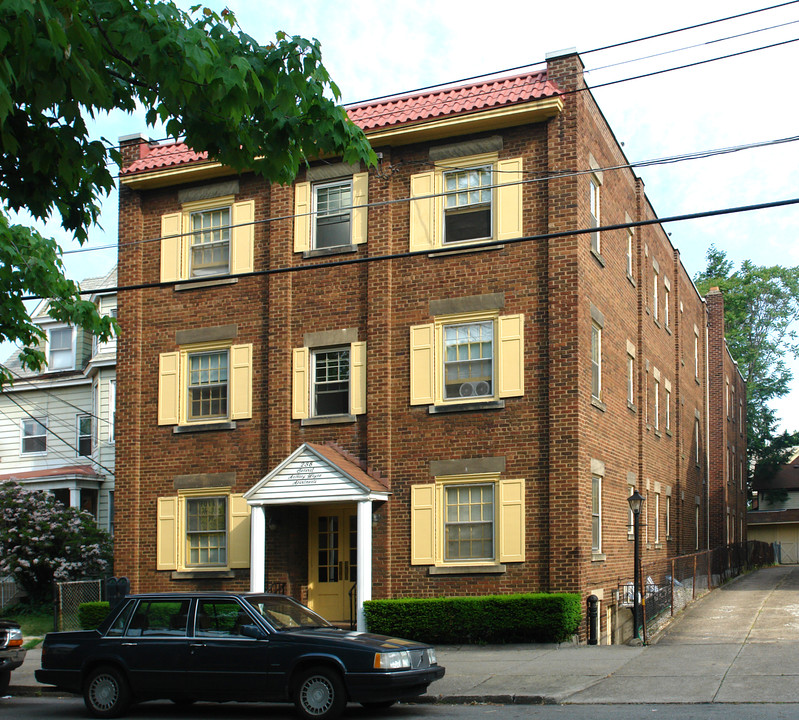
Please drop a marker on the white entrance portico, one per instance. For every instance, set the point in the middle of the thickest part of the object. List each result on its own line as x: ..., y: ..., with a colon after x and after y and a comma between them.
x: 323, y: 477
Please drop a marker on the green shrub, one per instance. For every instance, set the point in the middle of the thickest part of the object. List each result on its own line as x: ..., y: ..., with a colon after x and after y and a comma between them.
x: 540, y: 617
x: 91, y: 614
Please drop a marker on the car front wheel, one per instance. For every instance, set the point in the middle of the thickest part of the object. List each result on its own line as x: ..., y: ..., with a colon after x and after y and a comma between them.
x: 319, y: 694
x: 106, y: 693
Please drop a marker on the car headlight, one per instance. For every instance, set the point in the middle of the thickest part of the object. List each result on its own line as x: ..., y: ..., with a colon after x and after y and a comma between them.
x: 431, y: 656
x: 14, y: 637
x: 392, y: 660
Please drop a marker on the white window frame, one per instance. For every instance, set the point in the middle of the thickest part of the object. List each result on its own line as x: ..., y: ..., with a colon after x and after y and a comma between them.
x: 657, y: 518
x: 697, y: 434
x: 188, y: 500
x: 458, y: 192
x: 596, y: 514
x: 596, y: 360
x: 112, y: 410
x: 656, y: 423
x: 630, y: 515
x: 314, y: 353
x: 696, y: 353
x: 110, y: 344
x: 666, y: 301
x: 630, y: 236
x: 630, y: 379
x: 474, y: 385
x: 655, y: 283
x: 454, y: 486
x: 39, y: 422
x: 224, y: 230
x: 667, y: 417
x: 82, y: 435
x: 594, y: 212
x: 51, y: 350
x: 668, y: 516
x: 342, y: 210
x: 190, y: 419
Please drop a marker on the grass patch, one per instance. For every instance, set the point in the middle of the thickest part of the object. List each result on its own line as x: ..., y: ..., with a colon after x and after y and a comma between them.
x: 34, y: 621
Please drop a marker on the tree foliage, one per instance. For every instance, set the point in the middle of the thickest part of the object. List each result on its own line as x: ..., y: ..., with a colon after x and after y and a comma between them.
x: 42, y: 541
x: 265, y: 108
x: 761, y: 314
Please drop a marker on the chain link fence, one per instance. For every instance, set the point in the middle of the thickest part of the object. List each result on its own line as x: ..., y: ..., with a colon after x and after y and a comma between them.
x: 9, y: 591
x: 671, y: 584
x: 68, y: 598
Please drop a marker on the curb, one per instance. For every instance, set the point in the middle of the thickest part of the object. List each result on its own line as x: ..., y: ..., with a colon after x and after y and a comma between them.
x: 498, y: 699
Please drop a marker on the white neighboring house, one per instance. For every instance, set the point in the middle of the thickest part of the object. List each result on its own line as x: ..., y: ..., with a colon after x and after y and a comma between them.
x: 57, y: 426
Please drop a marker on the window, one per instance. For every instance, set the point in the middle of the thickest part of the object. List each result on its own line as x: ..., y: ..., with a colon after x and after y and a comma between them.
x: 666, y: 302
x: 208, y: 238
x: 158, y: 618
x: 727, y: 397
x: 596, y: 514
x: 630, y: 515
x: 110, y: 344
x: 203, y: 529
x: 466, y: 358
x: 656, y: 422
x: 696, y: 527
x: 668, y: 517
x: 467, y: 204
x: 667, y: 406
x: 630, y: 374
x: 596, y: 361
x: 85, y: 435
x: 655, y: 285
x: 207, y: 396
x: 629, y: 252
x: 464, y: 200
x: 209, y: 253
x: 467, y: 520
x: 732, y: 403
x: 60, y: 354
x: 329, y: 382
x: 593, y: 211
x: 696, y: 352
x: 657, y: 518
x: 206, y: 531
x: 330, y: 214
x: 112, y: 409
x: 205, y: 384
x: 697, y: 444
x: 34, y: 436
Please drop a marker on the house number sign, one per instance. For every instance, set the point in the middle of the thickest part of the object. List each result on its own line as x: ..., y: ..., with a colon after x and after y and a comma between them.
x: 305, y: 474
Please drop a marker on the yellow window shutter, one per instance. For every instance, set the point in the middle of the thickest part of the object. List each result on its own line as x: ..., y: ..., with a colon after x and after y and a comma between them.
x: 509, y: 199
x: 511, y: 356
x: 239, y: 534
x: 423, y: 211
x: 358, y: 378
x: 423, y: 518
x: 299, y: 380
x: 422, y: 364
x: 511, y: 521
x: 360, y: 196
x: 171, y: 227
x: 168, y: 388
x: 302, y: 220
x: 242, y: 237
x: 240, y: 382
x: 166, y: 534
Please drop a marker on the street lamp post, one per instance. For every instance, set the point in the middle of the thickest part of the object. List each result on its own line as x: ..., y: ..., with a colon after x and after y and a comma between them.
x: 636, y: 500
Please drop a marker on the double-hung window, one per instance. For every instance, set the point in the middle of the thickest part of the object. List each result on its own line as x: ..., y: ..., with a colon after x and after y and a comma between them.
x: 207, y: 397
x: 331, y: 381
x: 60, y: 354
x: 596, y: 361
x: 333, y: 215
x: 34, y: 436
x: 467, y: 520
x: 468, y: 200
x: 596, y: 514
x: 467, y: 357
x: 209, y: 253
x: 85, y: 434
x: 593, y: 213
x: 206, y: 531
x: 629, y: 252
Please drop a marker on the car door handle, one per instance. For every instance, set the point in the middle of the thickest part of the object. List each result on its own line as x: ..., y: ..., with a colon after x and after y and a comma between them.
x: 196, y: 645
x: 129, y: 644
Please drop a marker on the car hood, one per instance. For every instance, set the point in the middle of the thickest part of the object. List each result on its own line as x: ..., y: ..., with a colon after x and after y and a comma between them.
x: 370, y: 640
x: 8, y: 624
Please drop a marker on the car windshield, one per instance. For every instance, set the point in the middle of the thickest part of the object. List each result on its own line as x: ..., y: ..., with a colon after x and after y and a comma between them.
x: 285, y: 614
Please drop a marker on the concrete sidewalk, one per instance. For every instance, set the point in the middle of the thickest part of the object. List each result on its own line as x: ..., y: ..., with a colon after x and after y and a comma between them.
x: 737, y: 644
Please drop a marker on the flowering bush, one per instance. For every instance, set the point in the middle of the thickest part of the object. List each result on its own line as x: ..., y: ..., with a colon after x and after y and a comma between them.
x: 42, y: 541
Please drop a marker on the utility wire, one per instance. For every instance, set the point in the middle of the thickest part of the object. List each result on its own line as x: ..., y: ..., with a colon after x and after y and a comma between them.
x: 671, y: 159
x: 434, y: 252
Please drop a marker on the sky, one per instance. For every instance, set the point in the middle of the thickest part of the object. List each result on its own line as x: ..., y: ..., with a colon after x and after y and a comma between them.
x: 376, y: 48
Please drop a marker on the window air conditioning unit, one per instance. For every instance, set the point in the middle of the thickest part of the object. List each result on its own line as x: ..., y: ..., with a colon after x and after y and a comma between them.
x: 482, y: 388
x: 466, y: 389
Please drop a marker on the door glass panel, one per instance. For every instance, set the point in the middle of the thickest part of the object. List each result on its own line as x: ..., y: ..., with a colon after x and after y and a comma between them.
x: 328, y: 548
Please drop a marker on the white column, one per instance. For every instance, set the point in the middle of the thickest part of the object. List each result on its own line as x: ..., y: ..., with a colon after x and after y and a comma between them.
x: 364, y: 576
x: 74, y: 497
x: 257, y: 548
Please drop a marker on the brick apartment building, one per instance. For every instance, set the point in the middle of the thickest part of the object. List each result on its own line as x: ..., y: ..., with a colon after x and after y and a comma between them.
x: 467, y: 416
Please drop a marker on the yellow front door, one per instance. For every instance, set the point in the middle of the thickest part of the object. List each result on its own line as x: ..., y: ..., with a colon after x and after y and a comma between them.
x: 332, y: 548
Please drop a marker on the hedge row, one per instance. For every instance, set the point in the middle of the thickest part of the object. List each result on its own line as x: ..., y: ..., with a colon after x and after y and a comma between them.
x: 91, y: 614
x: 540, y: 617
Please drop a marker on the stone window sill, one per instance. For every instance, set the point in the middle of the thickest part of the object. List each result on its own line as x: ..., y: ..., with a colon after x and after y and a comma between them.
x: 200, y: 284
x: 466, y: 407
x: 668, y: 330
x: 656, y: 321
x: 658, y: 433
x: 204, y: 427
x: 631, y: 406
x: 324, y: 252
x: 631, y: 280
x: 598, y: 257
x: 597, y: 403
x: 328, y: 420
x: 467, y: 569
x: 203, y: 575
x: 461, y: 250
x: 598, y: 557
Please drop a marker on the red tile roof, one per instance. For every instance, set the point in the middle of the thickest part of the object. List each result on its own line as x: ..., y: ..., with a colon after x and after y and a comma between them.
x: 347, y: 463
x: 391, y: 111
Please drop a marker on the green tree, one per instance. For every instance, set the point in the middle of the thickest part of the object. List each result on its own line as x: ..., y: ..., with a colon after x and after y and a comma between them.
x: 42, y: 541
x: 265, y: 108
x: 761, y: 310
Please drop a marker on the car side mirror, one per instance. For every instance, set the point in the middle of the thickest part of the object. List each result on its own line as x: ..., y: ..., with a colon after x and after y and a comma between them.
x: 253, y: 631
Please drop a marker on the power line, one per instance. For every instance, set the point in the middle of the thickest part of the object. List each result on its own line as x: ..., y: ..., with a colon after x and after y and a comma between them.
x: 433, y: 252
x: 696, y: 155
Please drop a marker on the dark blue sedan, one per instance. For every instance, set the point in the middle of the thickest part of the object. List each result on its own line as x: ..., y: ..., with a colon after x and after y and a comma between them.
x: 224, y: 646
